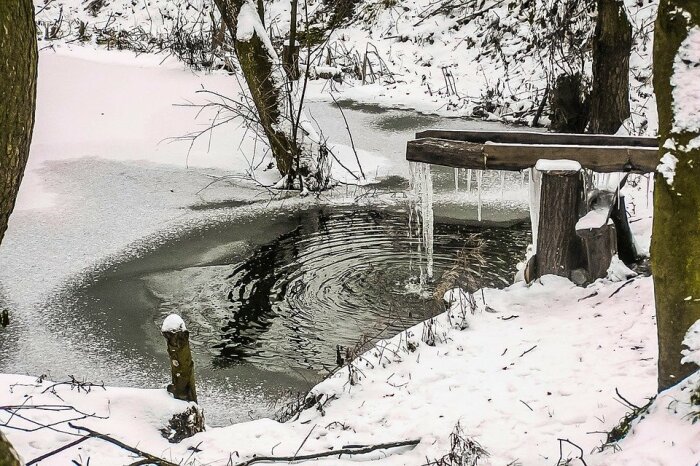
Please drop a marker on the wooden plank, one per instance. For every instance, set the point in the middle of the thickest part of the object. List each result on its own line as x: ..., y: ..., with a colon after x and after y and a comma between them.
x: 498, y: 156
x: 525, y: 137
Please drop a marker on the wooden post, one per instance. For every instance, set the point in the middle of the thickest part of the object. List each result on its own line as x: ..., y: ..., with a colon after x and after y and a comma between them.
x: 599, y: 242
x: 181, y: 364
x: 558, y: 247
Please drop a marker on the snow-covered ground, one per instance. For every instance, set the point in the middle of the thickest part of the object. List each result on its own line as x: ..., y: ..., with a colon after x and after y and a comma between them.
x: 535, y: 368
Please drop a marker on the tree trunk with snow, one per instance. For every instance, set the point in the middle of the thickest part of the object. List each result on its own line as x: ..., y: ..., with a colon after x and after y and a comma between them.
x: 612, y: 45
x: 8, y: 455
x: 265, y: 78
x: 675, y: 249
x: 18, y: 68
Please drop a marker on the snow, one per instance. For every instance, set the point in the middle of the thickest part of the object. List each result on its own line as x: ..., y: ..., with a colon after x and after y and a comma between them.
x: 249, y: 24
x: 618, y: 271
x: 594, y: 219
x: 173, y: 323
x: 667, y: 167
x: 686, y: 74
x: 692, y: 342
x: 545, y: 165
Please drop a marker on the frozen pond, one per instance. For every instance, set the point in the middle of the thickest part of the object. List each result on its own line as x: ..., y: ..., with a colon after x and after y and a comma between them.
x: 270, y: 293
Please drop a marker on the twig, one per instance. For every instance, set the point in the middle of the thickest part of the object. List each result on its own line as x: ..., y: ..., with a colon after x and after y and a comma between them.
x: 154, y: 459
x: 561, y: 451
x: 304, y: 442
x: 595, y: 293
x: 629, y: 404
x: 525, y: 352
x: 339, y: 452
x: 59, y: 450
x: 621, y: 287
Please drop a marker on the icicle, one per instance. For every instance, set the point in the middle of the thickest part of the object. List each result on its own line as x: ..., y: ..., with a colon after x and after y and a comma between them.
x: 503, y: 183
x: 422, y: 188
x: 522, y: 178
x: 469, y: 180
x: 648, y: 177
x: 479, y: 175
x: 534, y: 190
x: 456, y: 179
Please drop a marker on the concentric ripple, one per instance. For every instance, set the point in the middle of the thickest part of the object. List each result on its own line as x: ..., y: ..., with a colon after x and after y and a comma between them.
x: 343, y: 275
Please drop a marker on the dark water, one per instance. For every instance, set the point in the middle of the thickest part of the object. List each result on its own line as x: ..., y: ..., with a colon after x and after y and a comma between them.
x: 338, y: 275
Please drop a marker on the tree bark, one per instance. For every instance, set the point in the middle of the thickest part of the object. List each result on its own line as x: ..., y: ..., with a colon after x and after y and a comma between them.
x: 18, y: 71
x: 8, y: 455
x: 263, y: 74
x: 612, y: 45
x: 675, y: 249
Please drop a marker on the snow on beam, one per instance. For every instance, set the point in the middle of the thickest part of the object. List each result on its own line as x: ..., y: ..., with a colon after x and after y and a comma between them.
x: 533, y: 137
x: 515, y: 157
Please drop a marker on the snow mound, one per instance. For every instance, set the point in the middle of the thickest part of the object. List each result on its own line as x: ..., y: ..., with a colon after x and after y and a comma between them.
x: 173, y: 323
x: 692, y: 341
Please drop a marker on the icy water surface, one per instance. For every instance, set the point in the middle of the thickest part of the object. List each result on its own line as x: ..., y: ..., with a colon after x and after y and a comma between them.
x: 267, y: 294
x: 268, y: 299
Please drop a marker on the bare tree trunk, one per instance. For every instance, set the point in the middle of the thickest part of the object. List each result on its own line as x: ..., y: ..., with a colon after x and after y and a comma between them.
x: 8, y: 455
x: 18, y: 68
x: 675, y: 249
x: 612, y: 46
x: 265, y: 78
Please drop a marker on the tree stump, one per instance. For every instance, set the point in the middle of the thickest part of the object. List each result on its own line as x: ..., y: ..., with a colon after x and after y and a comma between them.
x: 599, y: 238
x: 181, y: 364
x: 558, y: 247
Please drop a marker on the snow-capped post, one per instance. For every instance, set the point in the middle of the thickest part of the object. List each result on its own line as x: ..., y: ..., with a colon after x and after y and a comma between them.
x: 181, y: 364
x: 558, y: 247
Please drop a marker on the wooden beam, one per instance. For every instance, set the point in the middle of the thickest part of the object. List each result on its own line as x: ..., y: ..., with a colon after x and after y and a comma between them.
x: 527, y: 137
x: 505, y: 156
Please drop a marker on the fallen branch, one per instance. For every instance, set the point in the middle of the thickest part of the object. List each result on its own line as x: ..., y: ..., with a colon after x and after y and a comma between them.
x: 151, y: 458
x: 621, y: 287
x: 323, y: 454
x: 561, y: 451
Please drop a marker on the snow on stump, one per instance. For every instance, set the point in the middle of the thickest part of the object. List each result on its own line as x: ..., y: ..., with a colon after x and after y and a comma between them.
x: 598, y: 233
x: 181, y: 364
x: 558, y: 247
